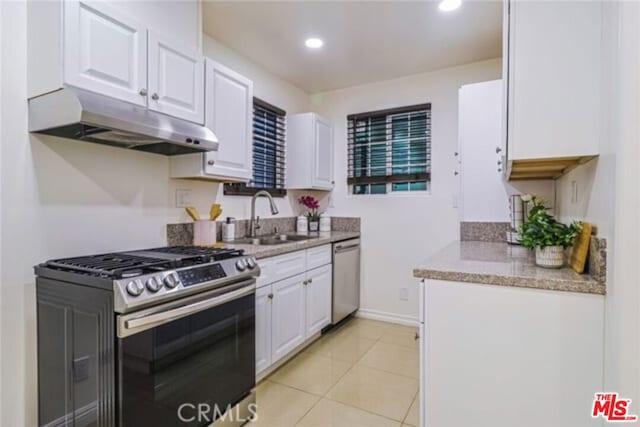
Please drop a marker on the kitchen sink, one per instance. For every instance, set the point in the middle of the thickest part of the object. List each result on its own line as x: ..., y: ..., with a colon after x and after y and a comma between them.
x: 279, y: 239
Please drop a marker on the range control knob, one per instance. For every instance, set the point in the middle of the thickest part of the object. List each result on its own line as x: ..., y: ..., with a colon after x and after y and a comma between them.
x: 251, y: 263
x: 154, y: 284
x: 135, y: 288
x: 171, y: 281
x: 241, y: 265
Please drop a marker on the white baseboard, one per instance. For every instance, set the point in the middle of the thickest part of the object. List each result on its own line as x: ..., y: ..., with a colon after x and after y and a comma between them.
x: 387, y: 317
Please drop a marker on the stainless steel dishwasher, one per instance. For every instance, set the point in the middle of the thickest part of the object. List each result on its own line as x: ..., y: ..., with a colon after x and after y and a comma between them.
x: 346, y: 279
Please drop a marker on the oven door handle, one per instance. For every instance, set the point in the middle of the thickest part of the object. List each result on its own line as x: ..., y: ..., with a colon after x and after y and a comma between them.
x: 139, y: 324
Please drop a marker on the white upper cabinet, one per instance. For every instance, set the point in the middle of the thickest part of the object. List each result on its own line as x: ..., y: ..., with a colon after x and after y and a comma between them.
x: 309, y: 152
x: 483, y: 193
x: 229, y: 114
x: 176, y: 79
x: 99, y: 47
x: 104, y: 51
x: 554, y: 65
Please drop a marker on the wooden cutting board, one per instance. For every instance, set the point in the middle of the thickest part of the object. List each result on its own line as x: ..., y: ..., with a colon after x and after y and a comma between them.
x: 580, y: 249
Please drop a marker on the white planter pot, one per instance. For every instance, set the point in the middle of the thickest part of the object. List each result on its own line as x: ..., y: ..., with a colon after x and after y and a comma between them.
x: 550, y: 257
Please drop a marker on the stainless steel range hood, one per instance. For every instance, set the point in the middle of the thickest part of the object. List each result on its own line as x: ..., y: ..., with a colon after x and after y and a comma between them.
x: 86, y: 116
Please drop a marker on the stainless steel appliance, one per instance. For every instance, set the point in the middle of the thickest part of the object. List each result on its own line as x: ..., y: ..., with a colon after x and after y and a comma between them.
x: 158, y: 337
x: 346, y: 279
x: 87, y: 116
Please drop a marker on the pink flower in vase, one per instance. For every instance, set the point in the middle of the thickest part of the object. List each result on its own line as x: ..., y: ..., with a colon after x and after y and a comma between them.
x: 312, y: 204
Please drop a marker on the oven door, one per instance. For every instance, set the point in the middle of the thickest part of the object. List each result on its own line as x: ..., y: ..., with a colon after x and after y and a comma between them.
x: 181, y: 360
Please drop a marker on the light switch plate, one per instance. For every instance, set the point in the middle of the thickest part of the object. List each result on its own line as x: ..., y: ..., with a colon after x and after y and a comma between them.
x: 183, y: 198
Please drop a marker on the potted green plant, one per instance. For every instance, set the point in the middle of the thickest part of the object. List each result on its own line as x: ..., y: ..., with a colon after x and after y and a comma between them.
x: 549, y: 237
x: 313, y: 215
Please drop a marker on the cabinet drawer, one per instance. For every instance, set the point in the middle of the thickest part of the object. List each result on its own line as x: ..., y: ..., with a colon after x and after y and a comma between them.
x: 266, y: 272
x: 281, y: 267
x: 319, y: 256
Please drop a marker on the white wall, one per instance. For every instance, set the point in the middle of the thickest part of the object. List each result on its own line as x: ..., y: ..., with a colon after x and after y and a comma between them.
x: 609, y: 196
x: 400, y: 231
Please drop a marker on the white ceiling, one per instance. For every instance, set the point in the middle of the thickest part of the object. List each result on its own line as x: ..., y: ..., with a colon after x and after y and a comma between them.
x: 365, y: 41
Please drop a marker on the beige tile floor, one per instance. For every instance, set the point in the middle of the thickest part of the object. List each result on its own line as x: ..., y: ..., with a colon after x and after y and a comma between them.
x: 362, y: 374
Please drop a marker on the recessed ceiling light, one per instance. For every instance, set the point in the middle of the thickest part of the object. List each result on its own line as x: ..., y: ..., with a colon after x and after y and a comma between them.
x: 314, y: 43
x: 449, y: 5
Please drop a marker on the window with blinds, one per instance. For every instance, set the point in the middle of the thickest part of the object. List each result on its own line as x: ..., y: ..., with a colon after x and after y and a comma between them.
x: 390, y: 150
x: 268, y: 152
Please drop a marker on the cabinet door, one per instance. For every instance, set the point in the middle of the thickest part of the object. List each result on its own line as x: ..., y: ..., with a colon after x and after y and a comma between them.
x: 104, y: 51
x: 229, y: 104
x: 318, y: 296
x: 176, y: 79
x: 288, y: 319
x: 555, y: 57
x: 263, y: 328
x: 483, y: 192
x: 323, y: 154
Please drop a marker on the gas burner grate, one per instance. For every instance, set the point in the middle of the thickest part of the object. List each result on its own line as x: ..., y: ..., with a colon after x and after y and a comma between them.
x: 115, y: 265
x: 129, y: 264
x: 215, y: 254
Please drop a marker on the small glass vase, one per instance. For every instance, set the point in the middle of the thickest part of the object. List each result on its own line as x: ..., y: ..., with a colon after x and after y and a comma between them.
x: 314, y: 226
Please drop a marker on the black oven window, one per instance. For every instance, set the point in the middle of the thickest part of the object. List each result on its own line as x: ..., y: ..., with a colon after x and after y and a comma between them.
x: 206, y: 358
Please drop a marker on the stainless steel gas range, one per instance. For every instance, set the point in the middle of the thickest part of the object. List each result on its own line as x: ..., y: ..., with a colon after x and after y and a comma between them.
x: 157, y: 337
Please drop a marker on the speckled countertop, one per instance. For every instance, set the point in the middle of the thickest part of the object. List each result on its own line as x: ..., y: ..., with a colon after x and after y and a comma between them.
x: 503, y: 265
x: 265, y: 251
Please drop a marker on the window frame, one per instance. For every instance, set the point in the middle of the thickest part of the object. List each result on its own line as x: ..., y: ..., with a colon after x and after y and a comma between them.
x: 243, y: 189
x: 390, y: 178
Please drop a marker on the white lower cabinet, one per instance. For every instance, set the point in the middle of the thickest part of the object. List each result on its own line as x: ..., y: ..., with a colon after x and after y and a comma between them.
x: 536, y: 352
x: 263, y: 327
x: 287, y: 316
x: 318, y: 295
x: 292, y: 305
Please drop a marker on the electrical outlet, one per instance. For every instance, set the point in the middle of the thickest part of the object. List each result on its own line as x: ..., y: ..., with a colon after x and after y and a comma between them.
x: 183, y: 198
x: 404, y: 294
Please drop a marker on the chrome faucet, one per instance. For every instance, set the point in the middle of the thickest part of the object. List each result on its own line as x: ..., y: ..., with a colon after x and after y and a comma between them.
x: 254, y: 224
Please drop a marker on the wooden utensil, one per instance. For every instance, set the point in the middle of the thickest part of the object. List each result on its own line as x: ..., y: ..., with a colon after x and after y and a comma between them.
x: 193, y: 213
x: 215, y: 211
x: 580, y: 249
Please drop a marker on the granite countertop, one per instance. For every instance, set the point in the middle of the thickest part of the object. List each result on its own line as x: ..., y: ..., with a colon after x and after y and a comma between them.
x: 265, y: 251
x: 503, y: 265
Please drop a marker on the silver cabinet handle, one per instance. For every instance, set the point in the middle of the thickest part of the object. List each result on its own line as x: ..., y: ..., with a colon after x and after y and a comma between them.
x: 456, y: 173
x: 311, y: 280
x: 498, y: 149
x: 155, y: 97
x: 306, y: 282
x: 343, y: 248
x: 416, y: 337
x: 211, y: 162
x: 143, y: 92
x: 270, y: 296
